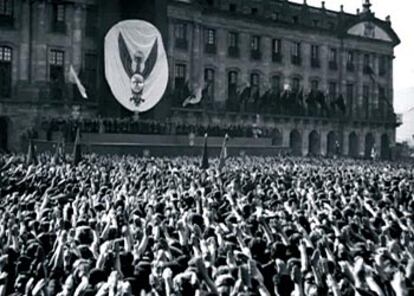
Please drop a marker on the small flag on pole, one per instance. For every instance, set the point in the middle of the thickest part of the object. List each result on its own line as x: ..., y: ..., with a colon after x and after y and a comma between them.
x: 73, y: 78
x: 223, y: 153
x: 204, y: 160
x: 77, y: 153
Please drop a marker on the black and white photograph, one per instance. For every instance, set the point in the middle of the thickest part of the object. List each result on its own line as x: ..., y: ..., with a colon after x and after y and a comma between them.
x: 206, y: 148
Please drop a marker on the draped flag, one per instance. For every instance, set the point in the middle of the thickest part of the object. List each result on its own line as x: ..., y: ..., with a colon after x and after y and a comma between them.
x: 77, y: 153
x: 223, y: 152
x: 59, y: 154
x: 204, y: 159
x: 196, y: 97
x: 136, y: 66
x: 31, y: 153
x: 73, y: 78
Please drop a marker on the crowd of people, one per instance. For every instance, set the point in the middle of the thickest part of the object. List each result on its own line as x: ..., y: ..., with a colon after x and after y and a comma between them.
x: 129, y: 125
x: 125, y: 225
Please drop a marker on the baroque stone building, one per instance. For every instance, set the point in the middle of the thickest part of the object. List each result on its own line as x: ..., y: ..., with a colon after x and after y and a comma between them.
x: 273, y: 46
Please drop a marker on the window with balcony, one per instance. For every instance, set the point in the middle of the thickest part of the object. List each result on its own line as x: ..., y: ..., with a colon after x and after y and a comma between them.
x: 296, y: 58
x: 275, y: 16
x: 6, y: 13
x: 332, y: 90
x: 350, y: 61
x: 180, y: 35
x: 254, y: 84
x: 57, y: 73
x: 209, y: 80
x: 315, y: 61
x: 232, y: 81
x: 314, y: 85
x: 58, y: 18
x: 210, y: 41
x: 276, y: 84
x: 255, y: 48
x: 350, y: 97
x: 277, y: 50
x: 295, y: 85
x: 233, y: 45
x: 6, y: 59
x: 367, y: 64
x: 180, y: 74
x: 333, y: 59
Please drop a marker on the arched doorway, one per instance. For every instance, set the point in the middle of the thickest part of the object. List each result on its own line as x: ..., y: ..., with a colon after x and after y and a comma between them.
x: 3, y: 134
x: 277, y: 138
x: 333, y: 144
x: 353, y: 145
x: 314, y: 143
x: 369, y: 144
x: 295, y: 143
x: 385, y: 147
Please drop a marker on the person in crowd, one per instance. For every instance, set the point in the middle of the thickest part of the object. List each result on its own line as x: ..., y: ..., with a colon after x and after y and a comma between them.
x: 115, y: 225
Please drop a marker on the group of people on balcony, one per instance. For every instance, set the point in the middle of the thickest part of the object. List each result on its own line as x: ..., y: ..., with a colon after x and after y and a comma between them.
x: 250, y: 99
x: 69, y: 126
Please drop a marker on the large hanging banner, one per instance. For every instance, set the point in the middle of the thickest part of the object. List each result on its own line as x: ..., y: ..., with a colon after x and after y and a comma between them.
x: 136, y: 65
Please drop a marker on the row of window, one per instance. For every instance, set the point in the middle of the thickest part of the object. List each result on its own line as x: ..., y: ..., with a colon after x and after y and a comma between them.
x: 57, y: 16
x: 278, y: 16
x: 276, y: 85
x: 56, y: 60
x: 296, y: 49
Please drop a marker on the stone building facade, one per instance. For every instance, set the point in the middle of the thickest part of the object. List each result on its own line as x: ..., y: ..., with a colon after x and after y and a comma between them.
x: 228, y: 43
x: 272, y: 44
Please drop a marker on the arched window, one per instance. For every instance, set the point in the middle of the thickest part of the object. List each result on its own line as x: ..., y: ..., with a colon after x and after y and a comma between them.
x: 6, y: 58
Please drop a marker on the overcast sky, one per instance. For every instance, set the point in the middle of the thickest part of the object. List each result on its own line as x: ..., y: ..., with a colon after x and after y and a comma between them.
x: 402, y: 19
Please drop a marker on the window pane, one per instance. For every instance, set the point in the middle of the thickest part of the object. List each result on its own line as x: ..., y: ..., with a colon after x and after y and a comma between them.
x: 6, y: 7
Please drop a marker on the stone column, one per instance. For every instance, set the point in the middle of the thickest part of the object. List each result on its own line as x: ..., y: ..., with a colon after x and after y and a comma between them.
x: 358, y: 83
x: 75, y: 29
x: 23, y: 71
x: 374, y: 104
x: 345, y: 141
x: 196, y: 41
x: 41, y: 23
x: 324, y: 142
x: 305, y: 141
x: 285, y: 131
x: 324, y: 54
x: 221, y: 76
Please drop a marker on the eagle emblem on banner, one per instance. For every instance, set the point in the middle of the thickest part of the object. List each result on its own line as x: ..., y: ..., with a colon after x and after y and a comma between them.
x: 136, y: 66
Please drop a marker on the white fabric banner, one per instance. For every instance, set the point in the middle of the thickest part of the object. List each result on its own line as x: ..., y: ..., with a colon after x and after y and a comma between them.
x: 136, y: 65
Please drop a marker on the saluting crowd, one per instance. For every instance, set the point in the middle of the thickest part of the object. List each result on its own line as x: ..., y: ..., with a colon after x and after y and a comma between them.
x: 114, y: 225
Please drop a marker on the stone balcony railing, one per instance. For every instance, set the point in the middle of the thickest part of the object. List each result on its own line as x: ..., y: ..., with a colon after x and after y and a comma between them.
x: 193, y: 116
